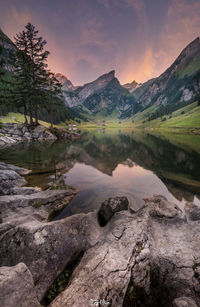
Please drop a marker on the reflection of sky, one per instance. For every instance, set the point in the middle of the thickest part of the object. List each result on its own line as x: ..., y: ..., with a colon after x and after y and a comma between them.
x: 134, y: 182
x: 86, y: 38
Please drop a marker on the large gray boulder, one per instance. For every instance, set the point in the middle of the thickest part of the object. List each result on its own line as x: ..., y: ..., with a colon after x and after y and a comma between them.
x: 17, y: 287
x: 46, y: 248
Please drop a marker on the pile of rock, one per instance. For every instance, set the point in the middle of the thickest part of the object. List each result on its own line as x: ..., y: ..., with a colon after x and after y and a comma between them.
x: 15, y: 133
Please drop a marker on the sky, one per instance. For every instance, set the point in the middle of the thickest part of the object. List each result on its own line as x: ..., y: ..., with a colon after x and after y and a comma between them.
x: 139, y: 39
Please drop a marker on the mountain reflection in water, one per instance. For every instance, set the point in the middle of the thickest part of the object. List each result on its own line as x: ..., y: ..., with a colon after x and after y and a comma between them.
x: 109, y: 163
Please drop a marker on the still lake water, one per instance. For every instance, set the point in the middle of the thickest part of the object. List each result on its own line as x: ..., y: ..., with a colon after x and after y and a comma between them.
x: 106, y: 163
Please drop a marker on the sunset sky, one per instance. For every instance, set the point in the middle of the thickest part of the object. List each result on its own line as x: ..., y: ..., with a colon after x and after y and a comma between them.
x: 86, y: 38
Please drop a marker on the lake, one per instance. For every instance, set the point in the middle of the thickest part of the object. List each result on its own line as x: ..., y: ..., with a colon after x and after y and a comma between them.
x: 113, y: 162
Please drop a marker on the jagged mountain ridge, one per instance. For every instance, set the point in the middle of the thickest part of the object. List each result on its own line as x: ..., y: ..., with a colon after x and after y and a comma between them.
x: 104, y: 94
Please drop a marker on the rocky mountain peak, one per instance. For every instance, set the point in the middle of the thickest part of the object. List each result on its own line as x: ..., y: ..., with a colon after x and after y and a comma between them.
x: 131, y: 86
x: 66, y: 83
x: 106, y: 77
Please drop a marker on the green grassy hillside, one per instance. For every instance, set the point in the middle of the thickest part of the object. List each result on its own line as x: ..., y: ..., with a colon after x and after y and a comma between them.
x: 187, y: 117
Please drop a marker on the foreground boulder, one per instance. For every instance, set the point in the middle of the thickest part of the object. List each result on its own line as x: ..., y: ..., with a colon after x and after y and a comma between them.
x: 17, y: 287
x: 47, y: 248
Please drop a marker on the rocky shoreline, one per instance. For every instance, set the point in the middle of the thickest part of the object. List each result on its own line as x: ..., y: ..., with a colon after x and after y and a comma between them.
x: 15, y: 133
x: 122, y: 258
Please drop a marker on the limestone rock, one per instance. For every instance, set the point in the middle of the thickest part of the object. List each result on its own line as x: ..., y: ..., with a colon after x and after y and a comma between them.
x: 17, y: 287
x: 46, y: 248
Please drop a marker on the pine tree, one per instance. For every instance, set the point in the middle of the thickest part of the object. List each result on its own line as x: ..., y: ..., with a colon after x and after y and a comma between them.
x: 54, y: 93
x: 31, y: 69
x: 22, y: 84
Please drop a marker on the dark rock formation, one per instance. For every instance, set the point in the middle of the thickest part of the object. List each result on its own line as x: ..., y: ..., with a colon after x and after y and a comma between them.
x: 110, y: 206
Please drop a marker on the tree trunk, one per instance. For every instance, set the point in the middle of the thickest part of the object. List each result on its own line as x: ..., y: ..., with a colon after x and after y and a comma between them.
x: 25, y: 116
x: 51, y: 115
x: 36, y: 116
x: 31, y: 114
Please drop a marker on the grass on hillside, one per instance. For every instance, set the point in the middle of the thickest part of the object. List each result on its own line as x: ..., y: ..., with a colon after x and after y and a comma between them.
x: 187, y: 117
x: 19, y: 119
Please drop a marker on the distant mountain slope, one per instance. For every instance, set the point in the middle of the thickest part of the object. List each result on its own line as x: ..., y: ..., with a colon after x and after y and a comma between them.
x: 176, y: 87
x: 104, y: 95
x: 6, y: 46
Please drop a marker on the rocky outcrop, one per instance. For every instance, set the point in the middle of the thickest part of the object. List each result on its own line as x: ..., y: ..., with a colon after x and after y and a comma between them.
x: 17, y: 287
x: 15, y: 133
x: 147, y: 258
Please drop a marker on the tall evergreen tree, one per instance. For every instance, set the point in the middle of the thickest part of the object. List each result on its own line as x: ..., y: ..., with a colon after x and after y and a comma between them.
x: 31, y: 69
x: 54, y: 93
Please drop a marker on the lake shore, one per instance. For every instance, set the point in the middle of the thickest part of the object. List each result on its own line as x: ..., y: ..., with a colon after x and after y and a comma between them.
x: 12, y: 133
